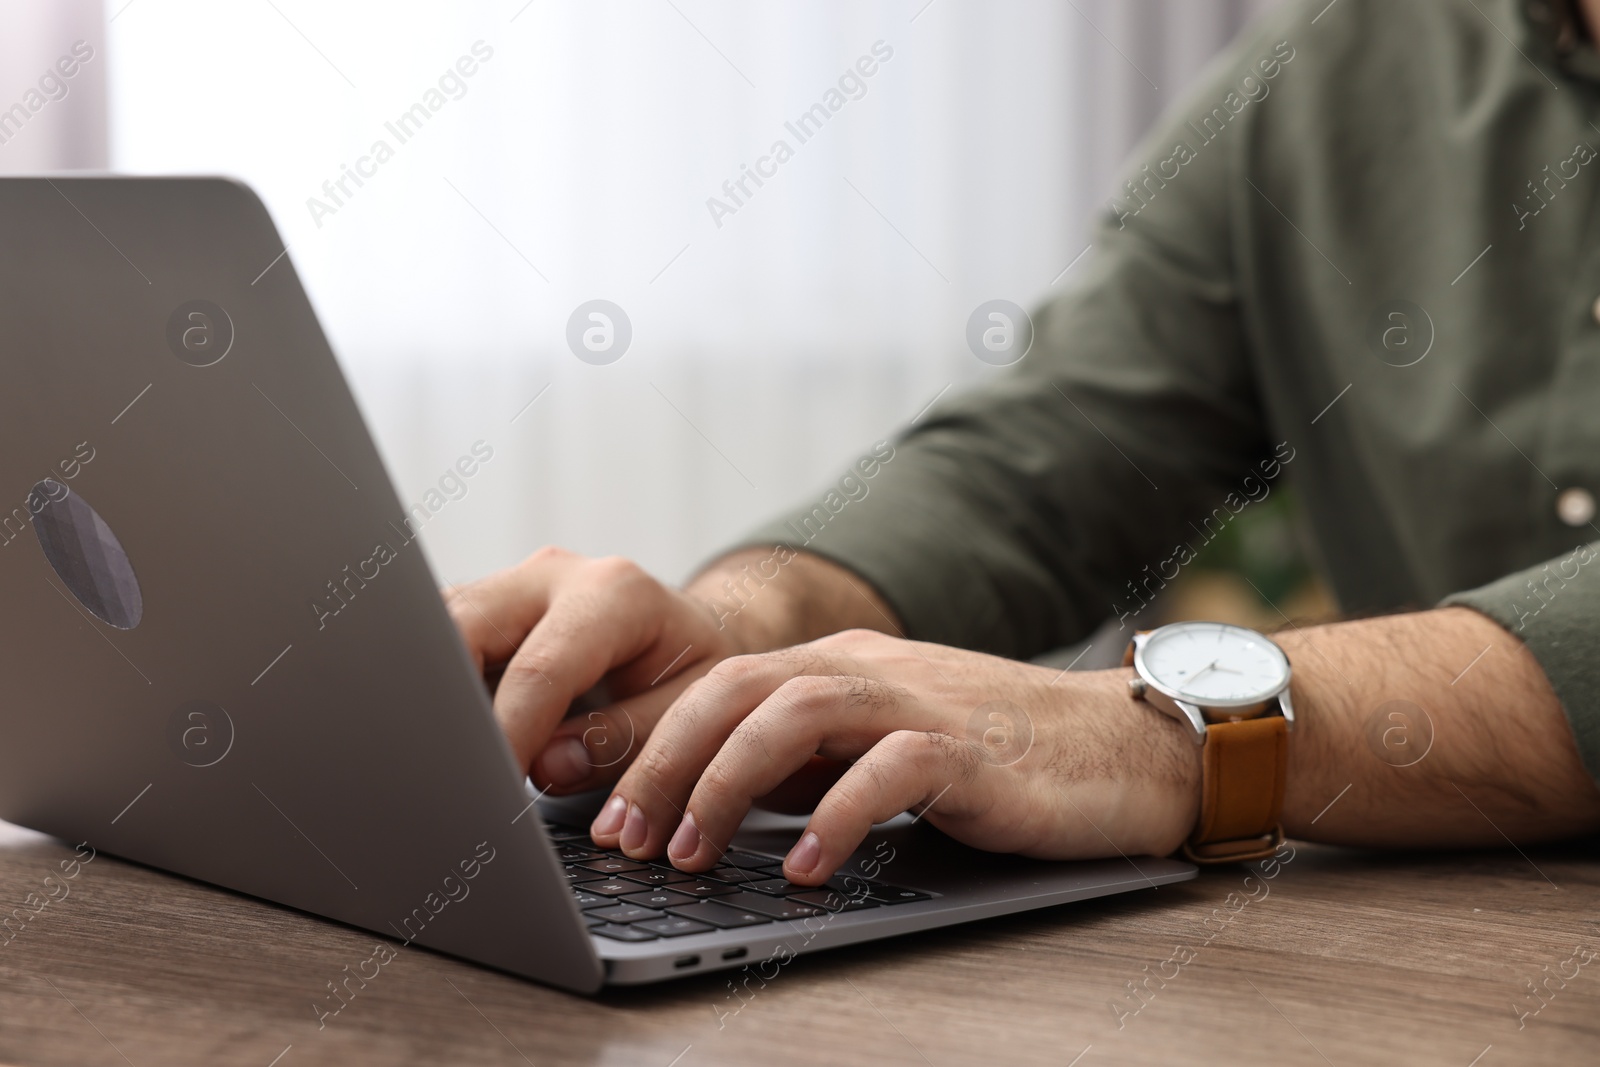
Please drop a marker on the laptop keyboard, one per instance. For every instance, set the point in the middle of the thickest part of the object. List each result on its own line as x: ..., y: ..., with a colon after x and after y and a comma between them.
x: 634, y: 900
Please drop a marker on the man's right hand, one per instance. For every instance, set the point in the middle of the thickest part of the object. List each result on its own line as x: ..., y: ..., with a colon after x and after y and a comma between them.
x: 556, y: 626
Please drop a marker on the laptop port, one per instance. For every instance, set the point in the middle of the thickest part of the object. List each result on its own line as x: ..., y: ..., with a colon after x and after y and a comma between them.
x: 736, y: 954
x: 683, y: 962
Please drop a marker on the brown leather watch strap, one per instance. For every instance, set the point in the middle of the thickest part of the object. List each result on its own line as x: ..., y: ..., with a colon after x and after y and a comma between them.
x: 1245, y: 764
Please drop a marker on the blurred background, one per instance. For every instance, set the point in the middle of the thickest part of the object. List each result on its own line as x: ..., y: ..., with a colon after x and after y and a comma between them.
x: 770, y: 344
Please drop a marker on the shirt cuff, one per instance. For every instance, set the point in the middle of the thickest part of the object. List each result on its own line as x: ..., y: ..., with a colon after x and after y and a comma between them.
x: 949, y: 609
x: 1555, y: 609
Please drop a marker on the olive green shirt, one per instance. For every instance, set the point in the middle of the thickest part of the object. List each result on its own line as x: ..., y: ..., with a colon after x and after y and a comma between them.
x: 1361, y: 258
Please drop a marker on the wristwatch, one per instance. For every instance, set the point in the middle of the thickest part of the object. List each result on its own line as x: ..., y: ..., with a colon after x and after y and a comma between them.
x: 1229, y: 687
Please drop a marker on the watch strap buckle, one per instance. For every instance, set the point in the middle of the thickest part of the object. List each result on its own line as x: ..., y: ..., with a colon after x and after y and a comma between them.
x: 1238, y: 851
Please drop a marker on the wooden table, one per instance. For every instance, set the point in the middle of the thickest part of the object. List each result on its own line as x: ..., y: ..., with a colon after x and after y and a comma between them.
x: 1343, y: 958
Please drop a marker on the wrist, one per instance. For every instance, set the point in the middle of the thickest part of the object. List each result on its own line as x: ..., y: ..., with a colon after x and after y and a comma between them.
x: 1174, y: 782
x: 1156, y: 768
x: 745, y: 596
x: 776, y: 597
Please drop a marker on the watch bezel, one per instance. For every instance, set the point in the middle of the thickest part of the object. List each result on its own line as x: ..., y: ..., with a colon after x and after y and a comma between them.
x: 1239, y: 705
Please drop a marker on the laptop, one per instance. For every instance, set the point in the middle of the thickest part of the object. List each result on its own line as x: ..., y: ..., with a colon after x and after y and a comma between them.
x: 188, y: 489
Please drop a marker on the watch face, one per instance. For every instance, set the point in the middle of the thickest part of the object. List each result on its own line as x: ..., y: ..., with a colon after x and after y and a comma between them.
x: 1214, y: 664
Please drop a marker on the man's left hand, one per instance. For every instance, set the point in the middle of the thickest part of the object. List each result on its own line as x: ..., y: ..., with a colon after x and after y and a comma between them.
x: 1001, y: 755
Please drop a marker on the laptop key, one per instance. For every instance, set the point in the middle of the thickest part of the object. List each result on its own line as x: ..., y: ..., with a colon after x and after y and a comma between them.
x: 578, y: 875
x: 658, y: 898
x: 672, y: 926
x: 779, y: 887
x: 626, y: 913
x: 567, y: 833
x: 593, y: 920
x: 719, y: 915
x: 772, y: 907
x: 576, y: 854
x: 589, y: 900
x: 854, y: 891
x: 704, y: 888
x: 622, y: 933
x: 612, y: 865
x: 613, y: 887
x: 660, y: 876
x: 737, y: 875
x: 831, y: 900
x: 748, y: 859
x: 852, y: 885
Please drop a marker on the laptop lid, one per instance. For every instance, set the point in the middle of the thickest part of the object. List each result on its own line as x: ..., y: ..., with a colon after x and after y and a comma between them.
x: 222, y: 652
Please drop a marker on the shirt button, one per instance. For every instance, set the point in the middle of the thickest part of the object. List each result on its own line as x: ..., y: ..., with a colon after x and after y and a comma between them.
x: 1575, y: 507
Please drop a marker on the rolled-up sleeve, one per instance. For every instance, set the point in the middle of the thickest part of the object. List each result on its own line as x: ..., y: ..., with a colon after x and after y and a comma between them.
x: 1554, y: 608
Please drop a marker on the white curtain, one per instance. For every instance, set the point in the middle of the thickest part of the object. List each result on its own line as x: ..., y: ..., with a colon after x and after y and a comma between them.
x: 575, y: 162
x: 50, y: 120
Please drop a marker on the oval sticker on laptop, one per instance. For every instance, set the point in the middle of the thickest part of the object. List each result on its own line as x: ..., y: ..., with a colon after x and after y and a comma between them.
x: 86, y: 554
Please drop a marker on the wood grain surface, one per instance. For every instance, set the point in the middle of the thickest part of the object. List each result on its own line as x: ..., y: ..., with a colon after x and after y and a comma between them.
x: 1341, y: 958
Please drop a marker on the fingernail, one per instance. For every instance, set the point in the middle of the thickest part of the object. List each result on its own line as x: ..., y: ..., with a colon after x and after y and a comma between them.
x: 609, y: 821
x: 804, y: 856
x: 685, y: 841
x: 564, y: 762
x: 635, y: 830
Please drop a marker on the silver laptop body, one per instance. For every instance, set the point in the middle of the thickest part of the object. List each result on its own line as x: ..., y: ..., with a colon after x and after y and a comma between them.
x: 223, y: 653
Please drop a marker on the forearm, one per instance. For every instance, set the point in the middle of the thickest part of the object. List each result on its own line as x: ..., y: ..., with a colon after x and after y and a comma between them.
x: 1433, y: 752
x: 1397, y: 740
x: 805, y: 597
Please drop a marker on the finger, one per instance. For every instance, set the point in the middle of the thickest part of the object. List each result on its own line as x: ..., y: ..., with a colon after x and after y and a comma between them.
x: 647, y: 803
x: 907, y: 769
x: 488, y: 642
x: 607, y: 614
x: 803, y: 717
x: 496, y: 613
x: 594, y: 748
